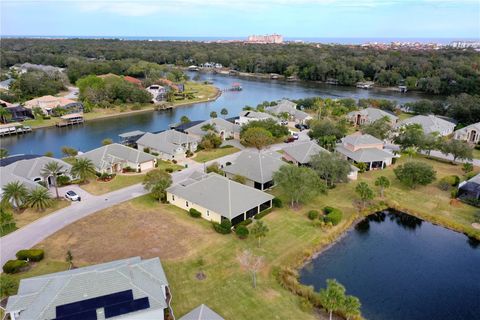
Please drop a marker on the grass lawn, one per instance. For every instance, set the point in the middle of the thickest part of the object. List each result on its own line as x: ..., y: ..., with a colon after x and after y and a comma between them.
x: 201, y: 92
x: 207, y: 155
x: 120, y: 181
x: 476, y: 154
x: 29, y: 215
x: 403, y: 116
x: 163, y: 165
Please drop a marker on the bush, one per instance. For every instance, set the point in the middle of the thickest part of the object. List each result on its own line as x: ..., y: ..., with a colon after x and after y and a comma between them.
x: 444, y: 185
x: 242, y: 231
x: 362, y: 167
x: 263, y: 213
x: 169, y: 170
x: 313, y: 214
x: 8, y: 286
x: 14, y: 266
x: 454, y: 193
x: 146, y: 150
x: 194, y: 213
x: 451, y: 180
x: 156, y: 154
x: 63, y: 180
x: 174, y: 161
x: 277, y: 202
x: 332, y: 215
x: 31, y: 254
x: 224, y: 228
x: 245, y: 222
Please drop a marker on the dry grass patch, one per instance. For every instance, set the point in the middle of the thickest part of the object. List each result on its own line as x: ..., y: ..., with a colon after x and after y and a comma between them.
x: 120, y: 181
x: 29, y: 215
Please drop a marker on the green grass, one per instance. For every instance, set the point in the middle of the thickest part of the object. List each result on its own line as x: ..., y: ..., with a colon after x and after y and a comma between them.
x: 120, y: 181
x: 403, y: 116
x: 202, y: 92
x: 29, y: 215
x: 476, y: 154
x: 7, y: 229
x: 208, y: 155
x: 163, y: 165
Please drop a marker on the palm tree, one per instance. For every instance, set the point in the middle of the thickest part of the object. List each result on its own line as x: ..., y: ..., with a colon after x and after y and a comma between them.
x: 3, y: 153
x: 213, y: 114
x: 39, y: 198
x: 411, y: 151
x: 4, y: 114
x: 14, y: 192
x: 224, y: 112
x: 83, y: 169
x: 184, y: 120
x: 53, y: 169
x: 259, y: 230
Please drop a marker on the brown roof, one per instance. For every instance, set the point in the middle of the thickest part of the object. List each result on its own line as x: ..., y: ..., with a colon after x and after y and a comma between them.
x: 133, y: 80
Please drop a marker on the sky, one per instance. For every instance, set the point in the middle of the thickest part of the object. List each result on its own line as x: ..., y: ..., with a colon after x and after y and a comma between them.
x: 238, y: 18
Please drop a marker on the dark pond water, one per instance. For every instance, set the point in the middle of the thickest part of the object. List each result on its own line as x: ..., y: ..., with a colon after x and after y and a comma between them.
x: 90, y: 135
x: 401, y: 267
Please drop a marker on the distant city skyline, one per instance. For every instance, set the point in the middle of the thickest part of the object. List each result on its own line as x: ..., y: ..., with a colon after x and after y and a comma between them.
x: 390, y: 19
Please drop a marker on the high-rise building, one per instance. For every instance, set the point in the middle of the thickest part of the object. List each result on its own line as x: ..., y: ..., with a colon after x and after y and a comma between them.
x: 268, y: 38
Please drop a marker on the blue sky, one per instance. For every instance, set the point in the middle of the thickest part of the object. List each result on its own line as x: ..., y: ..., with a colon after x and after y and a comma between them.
x: 230, y: 18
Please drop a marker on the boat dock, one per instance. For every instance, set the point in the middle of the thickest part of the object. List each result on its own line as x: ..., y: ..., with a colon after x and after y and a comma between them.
x: 70, y: 120
x: 13, y: 128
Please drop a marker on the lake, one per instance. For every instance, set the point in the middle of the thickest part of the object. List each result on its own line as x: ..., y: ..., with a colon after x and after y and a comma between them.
x: 401, y: 267
x: 255, y: 91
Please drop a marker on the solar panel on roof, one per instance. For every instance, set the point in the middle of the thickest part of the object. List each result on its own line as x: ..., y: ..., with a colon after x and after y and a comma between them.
x: 84, y: 315
x: 126, y: 307
x: 65, y: 310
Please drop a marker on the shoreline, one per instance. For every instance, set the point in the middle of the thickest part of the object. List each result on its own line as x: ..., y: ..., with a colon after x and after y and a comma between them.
x: 145, y: 110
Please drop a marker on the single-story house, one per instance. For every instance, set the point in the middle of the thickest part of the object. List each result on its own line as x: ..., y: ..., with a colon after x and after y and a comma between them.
x: 290, y: 108
x: 169, y: 144
x: 369, y: 115
x: 250, y: 115
x: 202, y: 312
x: 430, y: 124
x: 158, y: 92
x: 225, y: 129
x: 130, y: 138
x: 470, y: 134
x: 256, y: 167
x: 470, y: 190
x: 48, y: 103
x: 19, y: 112
x: 301, y: 153
x: 365, y: 148
x: 123, y: 289
x: 218, y: 198
x: 115, y: 157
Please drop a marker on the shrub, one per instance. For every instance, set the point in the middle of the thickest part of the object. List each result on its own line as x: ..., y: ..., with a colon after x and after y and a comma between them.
x: 194, y: 213
x: 224, y: 228
x: 242, y: 231
x: 228, y: 163
x: 8, y: 286
x: 154, y: 154
x: 14, y: 266
x: 454, y: 193
x: 362, y: 167
x: 263, y: 213
x: 174, y: 161
x: 188, y: 154
x: 313, y: 214
x: 277, y: 202
x: 443, y: 185
x: 63, y: 180
x: 245, y: 222
x: 169, y: 170
x: 451, y: 180
x: 31, y: 254
x: 146, y: 150
x: 332, y: 215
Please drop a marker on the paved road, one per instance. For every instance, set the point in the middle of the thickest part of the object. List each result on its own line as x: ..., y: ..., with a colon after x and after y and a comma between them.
x: 42, y: 228
x: 438, y: 154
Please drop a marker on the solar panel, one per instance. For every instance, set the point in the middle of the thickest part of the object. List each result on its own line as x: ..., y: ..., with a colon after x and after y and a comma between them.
x: 85, y: 315
x: 126, y: 307
x: 93, y: 303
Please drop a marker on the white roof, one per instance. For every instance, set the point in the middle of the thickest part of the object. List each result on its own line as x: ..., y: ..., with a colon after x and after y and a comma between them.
x: 303, y: 152
x: 373, y: 114
x: 32, y: 168
x: 361, y: 139
x: 287, y: 106
x: 219, y: 124
x: 256, y: 166
x: 429, y: 123
x: 166, y: 141
x: 202, y: 312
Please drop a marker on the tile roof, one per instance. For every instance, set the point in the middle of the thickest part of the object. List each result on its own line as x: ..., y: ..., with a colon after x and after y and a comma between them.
x: 167, y: 141
x: 429, y: 123
x: 361, y: 139
x: 220, y: 195
x: 256, y: 166
x: 202, y: 312
x: 38, y: 297
x: 303, y: 152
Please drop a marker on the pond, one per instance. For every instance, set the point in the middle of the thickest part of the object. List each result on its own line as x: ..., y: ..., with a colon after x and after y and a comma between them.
x: 401, y: 267
x: 90, y: 135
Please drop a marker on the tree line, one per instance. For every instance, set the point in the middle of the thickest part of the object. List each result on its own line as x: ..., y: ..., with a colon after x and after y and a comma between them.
x: 446, y: 71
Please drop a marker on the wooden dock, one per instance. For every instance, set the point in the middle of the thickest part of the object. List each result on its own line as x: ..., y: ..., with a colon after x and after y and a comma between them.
x: 13, y: 129
x: 70, y: 120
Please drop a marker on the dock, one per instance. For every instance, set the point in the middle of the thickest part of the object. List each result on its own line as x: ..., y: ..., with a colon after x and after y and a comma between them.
x: 70, y: 120
x: 13, y: 129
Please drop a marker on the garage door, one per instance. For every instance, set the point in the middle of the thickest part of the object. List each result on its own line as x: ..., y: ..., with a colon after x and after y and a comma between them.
x: 146, y: 166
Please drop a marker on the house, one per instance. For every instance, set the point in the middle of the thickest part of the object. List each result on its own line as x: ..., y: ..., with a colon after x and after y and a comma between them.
x: 19, y: 112
x: 225, y: 129
x: 169, y: 144
x: 158, y: 92
x: 369, y: 115
x: 133, y: 80
x: 130, y: 138
x: 469, y: 190
x: 290, y: 108
x: 251, y: 115
x: 30, y: 167
x: 364, y: 148
x: 202, y: 312
x: 470, y: 133
x: 25, y: 67
x: 218, y: 198
x: 429, y: 124
x: 115, y: 157
x: 123, y: 289
x: 48, y: 103
x: 256, y: 167
x: 301, y: 153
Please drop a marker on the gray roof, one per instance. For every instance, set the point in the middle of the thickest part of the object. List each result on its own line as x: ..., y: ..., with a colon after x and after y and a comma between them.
x: 473, y: 126
x: 131, y: 134
x: 219, y: 194
x: 32, y: 168
x: 256, y: 166
x: 38, y: 297
x: 219, y: 123
x: 6, y: 83
x: 202, y: 312
x: 166, y: 141
x: 6, y: 177
x: 361, y: 139
x: 364, y: 155
x: 288, y: 107
x: 373, y: 114
x: 256, y: 115
x: 429, y: 123
x: 475, y: 179
x: 303, y: 152
x: 104, y: 156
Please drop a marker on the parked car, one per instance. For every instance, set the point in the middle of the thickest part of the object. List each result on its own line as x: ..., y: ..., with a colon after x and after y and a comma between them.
x: 295, y: 136
x: 72, y: 196
x: 284, y: 123
x: 289, y: 139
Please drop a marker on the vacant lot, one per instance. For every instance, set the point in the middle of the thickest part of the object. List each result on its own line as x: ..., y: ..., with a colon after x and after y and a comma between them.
x: 208, y: 155
x: 29, y: 215
x: 120, y: 181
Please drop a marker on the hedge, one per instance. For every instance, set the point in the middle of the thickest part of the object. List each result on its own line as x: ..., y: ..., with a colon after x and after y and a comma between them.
x: 333, y: 215
x: 263, y: 213
x: 245, y: 222
x: 277, y: 203
x: 31, y: 254
x: 195, y: 213
x: 242, y: 231
x: 14, y: 266
x: 224, y: 228
x: 451, y: 180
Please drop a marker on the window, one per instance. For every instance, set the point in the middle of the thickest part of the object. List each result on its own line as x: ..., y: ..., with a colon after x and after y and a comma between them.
x: 186, y: 203
x: 173, y: 197
x: 208, y: 213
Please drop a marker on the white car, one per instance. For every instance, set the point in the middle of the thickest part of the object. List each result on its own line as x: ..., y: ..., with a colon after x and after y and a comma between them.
x: 295, y: 136
x: 72, y: 196
x: 284, y: 123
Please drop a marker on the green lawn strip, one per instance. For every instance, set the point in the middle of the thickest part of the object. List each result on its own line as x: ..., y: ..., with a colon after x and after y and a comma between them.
x: 163, y: 165
x: 120, y: 181
x: 208, y: 155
